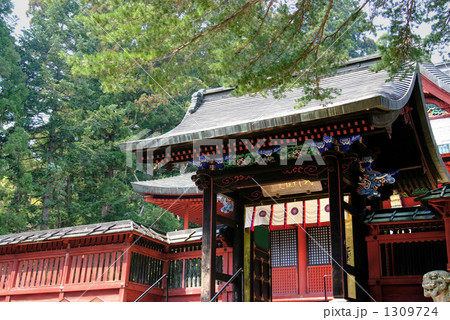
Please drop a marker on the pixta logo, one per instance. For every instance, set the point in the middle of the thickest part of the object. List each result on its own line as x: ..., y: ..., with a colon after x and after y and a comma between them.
x: 144, y: 144
x: 261, y: 152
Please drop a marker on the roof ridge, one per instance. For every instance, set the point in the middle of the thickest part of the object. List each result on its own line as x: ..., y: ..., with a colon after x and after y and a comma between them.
x: 196, y: 101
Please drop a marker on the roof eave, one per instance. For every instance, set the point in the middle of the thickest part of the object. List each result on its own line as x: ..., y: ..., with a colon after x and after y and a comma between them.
x: 378, y: 102
x: 139, y: 188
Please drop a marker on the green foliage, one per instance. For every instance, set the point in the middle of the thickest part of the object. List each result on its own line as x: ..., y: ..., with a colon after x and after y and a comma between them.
x: 90, y: 74
x: 15, y: 178
x: 254, y: 46
x: 61, y: 163
x: 402, y: 43
x: 12, y: 80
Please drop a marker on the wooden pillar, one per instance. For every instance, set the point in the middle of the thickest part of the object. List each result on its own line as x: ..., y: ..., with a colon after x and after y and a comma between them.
x: 126, y: 267
x: 186, y: 217
x: 65, y: 273
x: 447, y: 236
x: 337, y: 228
x: 360, y: 247
x: 209, y: 241
x: 302, y: 262
x: 248, y: 268
x: 238, y: 246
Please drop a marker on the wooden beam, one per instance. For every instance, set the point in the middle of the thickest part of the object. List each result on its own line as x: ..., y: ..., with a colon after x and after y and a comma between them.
x: 186, y: 217
x: 226, y: 221
x: 410, y: 237
x: 245, y: 177
x: 209, y: 241
x: 222, y: 276
x: 350, y: 209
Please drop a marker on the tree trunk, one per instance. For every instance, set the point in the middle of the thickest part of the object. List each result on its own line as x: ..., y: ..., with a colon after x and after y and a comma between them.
x: 105, y: 209
x: 46, y: 207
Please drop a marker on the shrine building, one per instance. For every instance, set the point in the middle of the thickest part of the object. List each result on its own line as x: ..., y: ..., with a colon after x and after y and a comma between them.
x: 343, y: 199
x: 324, y: 197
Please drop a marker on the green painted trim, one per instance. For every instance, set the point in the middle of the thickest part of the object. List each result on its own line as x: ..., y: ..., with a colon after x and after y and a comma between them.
x: 262, y: 237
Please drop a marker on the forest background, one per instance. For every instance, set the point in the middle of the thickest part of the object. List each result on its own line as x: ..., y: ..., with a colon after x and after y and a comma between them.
x: 87, y: 75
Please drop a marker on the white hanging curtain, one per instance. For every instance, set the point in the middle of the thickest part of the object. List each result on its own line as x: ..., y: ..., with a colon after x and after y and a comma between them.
x: 293, y: 213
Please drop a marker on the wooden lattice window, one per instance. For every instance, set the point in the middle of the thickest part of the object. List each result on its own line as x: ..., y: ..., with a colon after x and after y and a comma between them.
x: 318, y: 245
x: 176, y: 273
x: 192, y: 273
x: 284, y: 248
x: 144, y: 269
x: 187, y: 273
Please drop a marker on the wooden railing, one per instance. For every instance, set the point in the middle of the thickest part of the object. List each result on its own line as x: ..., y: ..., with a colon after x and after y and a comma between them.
x: 58, y: 271
x: 145, y: 269
x: 39, y: 272
x: 185, y: 268
x: 152, y: 286
x: 106, y: 267
x: 185, y: 273
x: 96, y: 267
x: 5, y: 273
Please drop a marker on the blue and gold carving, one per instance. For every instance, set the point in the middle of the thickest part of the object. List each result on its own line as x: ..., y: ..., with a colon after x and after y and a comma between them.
x: 371, y: 180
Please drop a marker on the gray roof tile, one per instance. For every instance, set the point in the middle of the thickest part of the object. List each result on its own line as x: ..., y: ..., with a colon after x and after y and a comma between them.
x: 79, y: 231
x: 221, y: 114
x: 172, y: 237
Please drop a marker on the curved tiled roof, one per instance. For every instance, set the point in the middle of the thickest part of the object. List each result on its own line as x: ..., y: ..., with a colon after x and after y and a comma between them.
x: 103, y: 228
x: 216, y: 113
